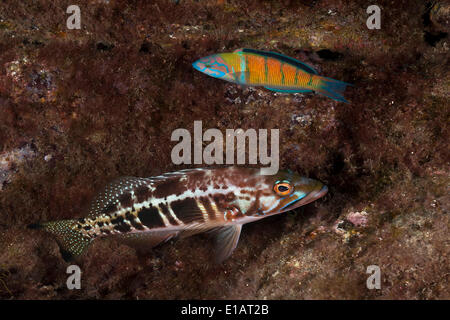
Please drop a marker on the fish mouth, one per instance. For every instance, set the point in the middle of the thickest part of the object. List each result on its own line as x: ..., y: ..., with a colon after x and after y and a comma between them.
x: 310, y: 197
x: 198, y: 66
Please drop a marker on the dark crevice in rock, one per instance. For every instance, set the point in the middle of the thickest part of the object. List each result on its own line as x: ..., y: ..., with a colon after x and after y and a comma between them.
x: 337, y: 163
x: 431, y: 36
x: 104, y: 46
x: 426, y: 15
x: 326, y: 54
x: 145, y: 48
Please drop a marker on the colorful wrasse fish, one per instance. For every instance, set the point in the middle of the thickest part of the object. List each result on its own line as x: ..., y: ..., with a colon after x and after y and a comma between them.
x: 271, y: 70
x: 184, y: 203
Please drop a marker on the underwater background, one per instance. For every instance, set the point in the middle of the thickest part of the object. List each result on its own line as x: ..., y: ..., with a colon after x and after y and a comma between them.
x: 79, y: 108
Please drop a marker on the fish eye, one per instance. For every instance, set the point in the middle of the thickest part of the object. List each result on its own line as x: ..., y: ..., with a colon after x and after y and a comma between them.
x: 283, y: 188
x: 207, y: 65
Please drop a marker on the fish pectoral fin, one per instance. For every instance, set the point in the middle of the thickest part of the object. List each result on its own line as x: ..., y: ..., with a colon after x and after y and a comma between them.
x: 143, y: 241
x: 198, y: 227
x: 241, y: 77
x: 280, y: 89
x: 226, y: 241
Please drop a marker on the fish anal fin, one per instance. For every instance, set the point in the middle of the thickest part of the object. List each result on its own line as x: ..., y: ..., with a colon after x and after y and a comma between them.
x: 279, y: 89
x: 227, y: 239
x: 144, y: 241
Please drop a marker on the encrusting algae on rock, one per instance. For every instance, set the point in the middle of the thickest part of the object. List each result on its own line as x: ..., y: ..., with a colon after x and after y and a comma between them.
x: 116, y: 89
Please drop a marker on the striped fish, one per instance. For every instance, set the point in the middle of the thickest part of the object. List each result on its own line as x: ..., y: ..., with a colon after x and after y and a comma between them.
x: 184, y: 203
x: 271, y: 70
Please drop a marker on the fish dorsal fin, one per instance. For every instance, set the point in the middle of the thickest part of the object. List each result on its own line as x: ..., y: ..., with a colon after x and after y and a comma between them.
x: 227, y: 239
x: 279, y: 56
x: 111, y: 194
x: 174, y: 174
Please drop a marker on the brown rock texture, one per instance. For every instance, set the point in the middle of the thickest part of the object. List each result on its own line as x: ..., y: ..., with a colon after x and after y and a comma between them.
x: 79, y: 108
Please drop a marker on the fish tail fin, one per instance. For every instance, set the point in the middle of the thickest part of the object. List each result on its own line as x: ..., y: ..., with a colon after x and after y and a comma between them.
x: 71, y: 241
x: 333, y: 89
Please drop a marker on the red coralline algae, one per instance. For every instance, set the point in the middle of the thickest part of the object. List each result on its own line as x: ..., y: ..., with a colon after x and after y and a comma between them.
x: 79, y: 108
x: 359, y: 219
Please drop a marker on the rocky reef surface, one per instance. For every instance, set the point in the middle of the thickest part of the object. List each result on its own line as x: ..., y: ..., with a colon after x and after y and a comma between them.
x: 79, y: 108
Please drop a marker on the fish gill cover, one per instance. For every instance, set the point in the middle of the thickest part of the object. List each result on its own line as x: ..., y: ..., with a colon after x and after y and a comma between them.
x: 81, y: 107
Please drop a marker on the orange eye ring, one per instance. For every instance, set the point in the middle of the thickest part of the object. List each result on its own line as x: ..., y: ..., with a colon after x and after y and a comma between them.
x: 282, y: 188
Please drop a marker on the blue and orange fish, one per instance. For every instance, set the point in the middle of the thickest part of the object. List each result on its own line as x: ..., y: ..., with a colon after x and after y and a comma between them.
x: 183, y: 203
x: 271, y: 70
